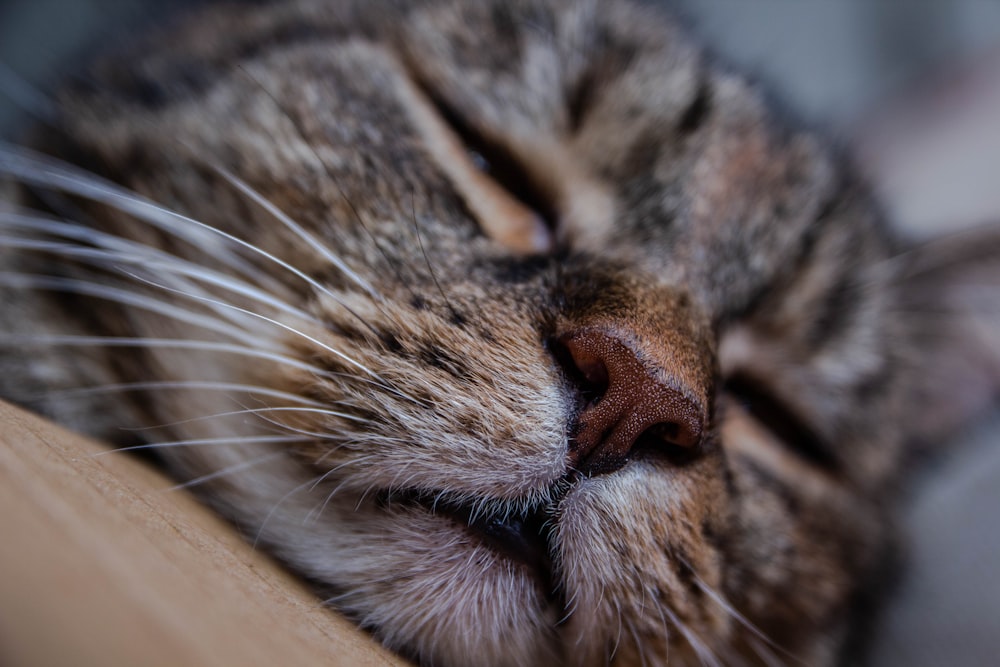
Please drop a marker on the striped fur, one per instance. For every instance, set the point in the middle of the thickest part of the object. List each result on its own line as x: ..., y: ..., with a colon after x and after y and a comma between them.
x: 273, y: 267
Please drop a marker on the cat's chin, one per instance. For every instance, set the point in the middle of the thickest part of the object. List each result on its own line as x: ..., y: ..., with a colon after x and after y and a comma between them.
x: 461, y: 585
x: 522, y: 536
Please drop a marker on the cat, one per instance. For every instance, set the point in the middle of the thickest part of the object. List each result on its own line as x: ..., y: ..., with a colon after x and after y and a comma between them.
x: 521, y: 330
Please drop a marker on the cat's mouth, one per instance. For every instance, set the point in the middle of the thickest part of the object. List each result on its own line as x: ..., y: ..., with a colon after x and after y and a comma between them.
x: 519, y: 536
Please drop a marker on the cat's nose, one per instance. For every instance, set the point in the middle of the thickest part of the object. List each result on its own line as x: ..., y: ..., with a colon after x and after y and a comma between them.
x: 632, y: 401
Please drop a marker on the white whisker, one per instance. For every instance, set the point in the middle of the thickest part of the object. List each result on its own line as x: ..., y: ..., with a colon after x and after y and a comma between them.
x: 309, y: 483
x: 52, y: 173
x: 288, y: 428
x: 945, y: 250
x: 208, y: 442
x: 183, y: 385
x: 154, y: 343
x: 740, y: 618
x: 122, y: 251
x: 43, y: 171
x: 284, y: 219
x: 765, y: 653
x: 269, y: 320
x: 229, y: 470
x: 127, y: 298
x: 330, y: 495
x: 258, y: 412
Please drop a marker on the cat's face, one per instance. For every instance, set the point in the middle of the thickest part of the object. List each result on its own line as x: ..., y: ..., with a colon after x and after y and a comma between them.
x: 541, y: 343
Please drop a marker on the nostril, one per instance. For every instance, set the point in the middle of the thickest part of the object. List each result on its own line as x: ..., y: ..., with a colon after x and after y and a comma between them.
x: 590, y: 365
x: 674, y: 442
x: 631, y: 403
x: 676, y: 433
x: 586, y: 369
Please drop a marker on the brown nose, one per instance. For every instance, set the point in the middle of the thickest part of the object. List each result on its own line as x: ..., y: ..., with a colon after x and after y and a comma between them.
x: 632, y: 401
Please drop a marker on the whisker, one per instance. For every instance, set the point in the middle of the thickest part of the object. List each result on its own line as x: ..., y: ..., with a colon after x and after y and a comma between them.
x: 416, y: 225
x: 124, y: 297
x: 297, y: 126
x: 120, y: 250
x: 325, y: 252
x: 228, y: 470
x: 330, y: 495
x: 740, y: 618
x: 45, y: 172
x: 701, y: 649
x: 374, y: 383
x: 663, y: 620
x: 51, y: 173
x: 297, y: 229
x: 315, y: 435
x: 269, y: 320
x: 356, y: 442
x: 639, y: 644
x: 364, y: 494
x: 181, y: 385
x: 764, y: 653
x: 153, y: 343
x: 326, y: 500
x: 255, y: 412
x: 934, y: 254
x: 621, y: 620
x: 309, y: 483
x: 208, y: 442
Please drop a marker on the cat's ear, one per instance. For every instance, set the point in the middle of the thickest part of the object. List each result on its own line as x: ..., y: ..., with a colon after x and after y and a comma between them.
x: 948, y: 293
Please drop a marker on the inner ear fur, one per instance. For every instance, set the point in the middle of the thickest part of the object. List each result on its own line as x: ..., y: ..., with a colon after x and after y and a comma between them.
x: 948, y: 301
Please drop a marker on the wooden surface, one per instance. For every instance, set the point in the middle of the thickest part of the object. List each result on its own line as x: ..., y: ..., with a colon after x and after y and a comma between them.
x: 102, y: 564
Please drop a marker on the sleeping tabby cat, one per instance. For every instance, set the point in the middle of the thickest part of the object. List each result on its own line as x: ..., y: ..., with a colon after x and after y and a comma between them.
x: 519, y: 329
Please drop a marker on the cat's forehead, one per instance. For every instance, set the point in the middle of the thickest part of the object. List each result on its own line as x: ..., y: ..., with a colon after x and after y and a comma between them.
x: 650, y: 152
x: 645, y: 153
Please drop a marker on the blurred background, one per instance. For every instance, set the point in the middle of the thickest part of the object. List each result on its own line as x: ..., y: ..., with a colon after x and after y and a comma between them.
x: 912, y: 89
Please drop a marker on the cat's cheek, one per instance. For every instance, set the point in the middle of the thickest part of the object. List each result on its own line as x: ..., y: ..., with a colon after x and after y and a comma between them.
x: 639, y: 577
x: 428, y: 587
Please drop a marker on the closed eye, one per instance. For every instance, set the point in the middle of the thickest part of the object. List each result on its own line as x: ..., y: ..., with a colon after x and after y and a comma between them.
x: 499, y: 164
x: 508, y: 203
x: 783, y: 422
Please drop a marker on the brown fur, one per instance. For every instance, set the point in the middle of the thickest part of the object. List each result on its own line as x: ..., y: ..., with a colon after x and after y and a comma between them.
x: 726, y: 245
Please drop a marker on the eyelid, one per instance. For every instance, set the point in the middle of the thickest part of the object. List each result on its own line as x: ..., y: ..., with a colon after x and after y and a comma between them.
x: 501, y: 215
